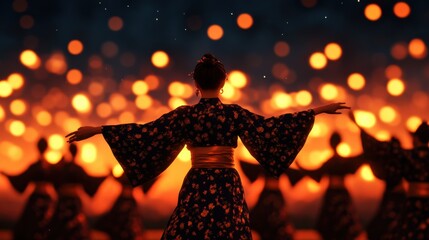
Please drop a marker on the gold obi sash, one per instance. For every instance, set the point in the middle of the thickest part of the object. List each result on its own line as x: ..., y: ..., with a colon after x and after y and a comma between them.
x: 418, y: 189
x: 212, y: 157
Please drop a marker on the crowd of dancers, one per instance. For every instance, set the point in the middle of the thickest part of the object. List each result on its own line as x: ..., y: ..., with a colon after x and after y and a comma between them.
x: 403, y: 212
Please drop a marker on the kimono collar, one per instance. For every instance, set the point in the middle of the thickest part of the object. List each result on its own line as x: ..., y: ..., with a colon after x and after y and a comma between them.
x: 210, y: 101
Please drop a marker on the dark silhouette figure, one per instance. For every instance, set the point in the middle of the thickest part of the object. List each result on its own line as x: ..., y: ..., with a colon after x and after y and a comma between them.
x: 69, y: 221
x: 211, y: 204
x: 34, y: 219
x: 269, y: 216
x: 337, y: 217
x: 123, y: 221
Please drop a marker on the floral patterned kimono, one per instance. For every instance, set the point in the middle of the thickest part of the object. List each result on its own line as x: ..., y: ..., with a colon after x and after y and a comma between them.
x: 386, y: 164
x: 269, y: 216
x: 211, y: 204
x: 34, y: 219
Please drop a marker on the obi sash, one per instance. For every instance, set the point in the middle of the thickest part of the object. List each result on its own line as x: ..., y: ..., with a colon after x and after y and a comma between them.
x: 212, y: 157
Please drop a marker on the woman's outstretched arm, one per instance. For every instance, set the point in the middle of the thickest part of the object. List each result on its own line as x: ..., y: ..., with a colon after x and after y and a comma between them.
x: 330, y: 108
x: 83, y: 133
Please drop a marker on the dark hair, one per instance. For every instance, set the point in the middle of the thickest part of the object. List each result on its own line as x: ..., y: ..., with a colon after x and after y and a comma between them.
x: 73, y: 149
x: 335, y: 139
x: 42, y: 145
x: 209, y: 73
x: 422, y: 132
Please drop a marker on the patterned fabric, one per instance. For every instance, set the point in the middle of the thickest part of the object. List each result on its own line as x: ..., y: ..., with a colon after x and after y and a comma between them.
x: 39, y: 207
x: 211, y: 202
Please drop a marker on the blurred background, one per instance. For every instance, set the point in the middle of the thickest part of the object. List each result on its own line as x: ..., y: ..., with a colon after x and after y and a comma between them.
x: 65, y: 64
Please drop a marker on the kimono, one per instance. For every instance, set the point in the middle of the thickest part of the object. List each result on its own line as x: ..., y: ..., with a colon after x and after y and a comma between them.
x: 211, y: 204
x: 40, y: 205
x: 69, y: 221
x: 386, y: 164
x: 337, y: 218
x: 269, y: 217
x: 123, y: 221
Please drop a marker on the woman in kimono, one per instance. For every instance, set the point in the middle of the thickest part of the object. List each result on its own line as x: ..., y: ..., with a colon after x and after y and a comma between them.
x: 337, y: 218
x: 34, y: 219
x: 69, y: 220
x: 269, y: 216
x: 211, y: 204
x: 123, y: 221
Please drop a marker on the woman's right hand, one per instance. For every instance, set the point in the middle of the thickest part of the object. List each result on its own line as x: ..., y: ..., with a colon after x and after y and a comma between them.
x: 83, y: 133
x: 331, y: 108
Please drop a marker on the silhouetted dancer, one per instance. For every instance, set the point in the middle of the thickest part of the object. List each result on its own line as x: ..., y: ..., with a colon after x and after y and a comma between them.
x: 38, y: 210
x: 337, y: 218
x: 211, y: 203
x: 69, y: 220
x: 123, y: 221
x: 269, y: 216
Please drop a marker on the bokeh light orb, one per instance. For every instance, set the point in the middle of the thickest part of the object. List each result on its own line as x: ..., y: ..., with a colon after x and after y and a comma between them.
x: 401, y: 9
x: 74, y: 76
x: 303, y: 98
x: 245, y: 21
x: 117, y: 170
x: 343, y: 149
x: 75, y: 47
x: 318, y: 60
x: 387, y: 114
x: 115, y: 23
x: 18, y: 107
x: 413, y: 122
x: 237, y: 79
x: 88, y: 153
x: 160, y: 59
x: 417, y: 48
x: 139, y: 87
x: 30, y: 59
x: 356, y: 81
x: 5, y: 89
x: 281, y: 49
x: 395, y: 87
x: 17, y: 128
x: 56, y: 141
x: 365, y: 119
x: 373, y: 12
x: 81, y: 103
x: 16, y: 80
x: 215, y: 32
x: 329, y: 91
x: 333, y: 51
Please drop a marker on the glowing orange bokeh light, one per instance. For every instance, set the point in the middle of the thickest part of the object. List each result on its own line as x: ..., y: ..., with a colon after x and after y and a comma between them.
x: 30, y: 59
x: 303, y: 98
x: 245, y: 21
x: 74, y: 76
x: 56, y: 64
x: 160, y: 59
x: 18, y: 107
x: 318, y: 60
x: 395, y: 87
x: 215, y: 32
x: 237, y: 79
x: 140, y: 87
x: 115, y: 23
x: 329, y: 91
x: 356, y: 81
x: 417, y: 48
x: 399, y: 51
x: 333, y: 51
x: 387, y: 114
x: 143, y: 102
x: 281, y: 49
x: 5, y: 89
x: 81, y: 103
x: 15, y: 80
x: 401, y: 9
x: 75, y: 47
x: 372, y: 12
x: 393, y: 71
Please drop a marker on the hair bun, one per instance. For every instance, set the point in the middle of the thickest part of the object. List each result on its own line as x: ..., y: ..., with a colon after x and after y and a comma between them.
x: 208, y: 59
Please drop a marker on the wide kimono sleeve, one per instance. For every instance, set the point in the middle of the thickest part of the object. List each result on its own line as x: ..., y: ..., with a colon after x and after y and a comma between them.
x: 145, y: 150
x: 274, y: 142
x: 21, y: 181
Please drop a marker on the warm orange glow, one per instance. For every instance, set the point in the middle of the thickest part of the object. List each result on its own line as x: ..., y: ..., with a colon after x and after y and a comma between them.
x: 109, y: 49
x: 143, y: 102
x: 303, y: 98
x: 96, y: 88
x: 245, y: 21
x: 393, y: 71
x: 281, y: 100
x: 333, y: 51
x: 31, y: 135
x: 382, y: 135
x: 329, y: 91
x: 2, y: 114
x: 81, y: 103
x: 117, y: 170
x: 215, y: 32
x: 71, y: 124
x: 395, y: 87
x: 237, y: 79
x: 176, y: 89
x: 387, y: 114
x: 184, y: 155
x: 318, y: 60
x: 56, y: 141
x: 365, y: 173
x: 104, y: 110
x: 160, y: 59
x: 140, y: 87
x: 115, y: 23
x: 15, y: 80
x: 75, y: 47
x: 228, y: 91
x: 152, y: 81
x: 417, y: 48
x: 13, y: 152
x: 281, y: 49
x: 5, y: 89
x: 372, y: 12
x: 356, y: 81
x: 401, y: 9
x: 126, y: 117
x: 30, y: 59
x: 19, y: 5
x: 365, y: 119
x: 399, y: 51
x: 95, y: 62
x: 16, y: 128
x: 320, y: 129
x: 60, y: 117
x: 312, y: 186
x: 118, y: 101
x: 343, y: 149
x: 44, y: 118
x: 88, y: 153
x: 413, y: 123
x: 175, y: 102
x: 56, y: 64
x: 53, y: 156
x: 18, y: 107
x: 74, y: 76
x: 280, y: 71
